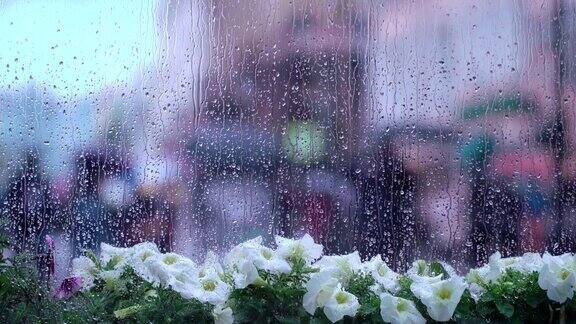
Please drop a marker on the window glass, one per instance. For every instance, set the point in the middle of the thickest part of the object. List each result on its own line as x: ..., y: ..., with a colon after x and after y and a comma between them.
x: 411, y: 129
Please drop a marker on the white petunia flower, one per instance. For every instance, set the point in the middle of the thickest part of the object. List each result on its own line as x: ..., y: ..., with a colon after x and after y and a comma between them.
x: 304, y: 248
x: 211, y: 264
x: 528, y: 263
x: 476, y: 291
x: 142, y: 251
x: 244, y: 274
x: 246, y: 258
x: 111, y: 277
x: 558, y: 276
x: 163, y: 267
x: 397, y: 310
x: 262, y: 257
x: 382, y: 274
x: 343, y: 267
x: 508, y: 262
x: 240, y: 261
x: 497, y: 266
x: 184, y: 283
x: 319, y: 289
x: 114, y: 257
x: 222, y: 315
x: 341, y: 303
x: 488, y: 273
x: 140, y: 254
x: 440, y: 298
x: 478, y: 275
x: 377, y: 289
x: 266, y: 259
x: 211, y: 289
x: 240, y: 252
x: 421, y: 272
x: 84, y: 267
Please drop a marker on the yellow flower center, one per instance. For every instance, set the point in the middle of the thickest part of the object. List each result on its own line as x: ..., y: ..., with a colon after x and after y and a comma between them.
x: 444, y: 293
x: 564, y: 274
x: 344, y: 266
x: 209, y: 285
x: 115, y: 260
x: 267, y: 254
x: 402, y: 306
x: 421, y: 267
x: 170, y: 259
x: 341, y: 298
x: 298, y: 251
x: 382, y: 270
x: 145, y: 255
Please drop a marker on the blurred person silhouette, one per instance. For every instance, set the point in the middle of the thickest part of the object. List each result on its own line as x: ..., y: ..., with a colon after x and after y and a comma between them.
x: 421, y: 157
x: 93, y: 219
x: 494, y: 209
x: 234, y: 159
x: 387, y: 222
x: 28, y: 205
x: 148, y: 218
x: 509, y: 177
x: 117, y: 193
x: 318, y: 124
x: 155, y: 195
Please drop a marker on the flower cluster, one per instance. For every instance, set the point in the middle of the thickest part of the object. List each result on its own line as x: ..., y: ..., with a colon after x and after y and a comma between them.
x: 334, y: 287
x: 169, y: 270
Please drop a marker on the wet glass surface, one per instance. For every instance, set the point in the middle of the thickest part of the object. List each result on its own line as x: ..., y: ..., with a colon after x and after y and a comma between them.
x: 441, y: 130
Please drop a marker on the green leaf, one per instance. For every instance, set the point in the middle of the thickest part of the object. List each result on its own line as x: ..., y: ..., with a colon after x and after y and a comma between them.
x: 505, y: 308
x: 485, y: 310
x: 465, y: 306
x: 534, y: 298
x: 437, y: 268
x: 288, y: 319
x: 92, y: 256
x: 127, y: 312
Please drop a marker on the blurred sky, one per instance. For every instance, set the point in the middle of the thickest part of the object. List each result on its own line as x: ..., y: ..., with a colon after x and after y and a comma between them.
x: 75, y: 46
x: 54, y: 54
